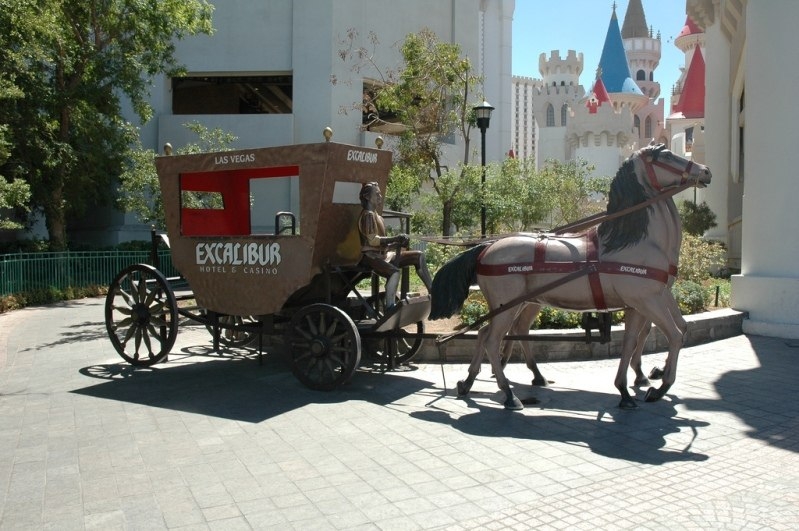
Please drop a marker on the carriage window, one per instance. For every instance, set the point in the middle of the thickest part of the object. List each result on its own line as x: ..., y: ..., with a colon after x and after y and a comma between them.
x: 270, y: 196
x: 240, y: 202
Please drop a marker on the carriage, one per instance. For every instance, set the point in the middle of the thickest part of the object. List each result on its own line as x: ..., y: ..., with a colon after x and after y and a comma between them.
x: 267, y: 245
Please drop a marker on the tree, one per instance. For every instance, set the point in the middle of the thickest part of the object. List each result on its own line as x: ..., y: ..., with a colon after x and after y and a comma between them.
x: 140, y: 191
x: 431, y: 98
x: 515, y: 197
x: 71, y: 63
x: 570, y: 193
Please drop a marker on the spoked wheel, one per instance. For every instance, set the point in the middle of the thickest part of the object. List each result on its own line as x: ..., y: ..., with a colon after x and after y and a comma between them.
x: 141, y: 315
x: 230, y: 334
x: 404, y: 343
x: 325, y: 346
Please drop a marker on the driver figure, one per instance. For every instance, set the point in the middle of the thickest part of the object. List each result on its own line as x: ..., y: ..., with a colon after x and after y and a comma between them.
x: 386, y: 255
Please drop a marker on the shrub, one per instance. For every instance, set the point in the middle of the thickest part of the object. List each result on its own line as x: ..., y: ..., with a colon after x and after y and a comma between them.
x: 690, y: 296
x: 474, y: 307
x: 696, y: 219
x: 698, y: 258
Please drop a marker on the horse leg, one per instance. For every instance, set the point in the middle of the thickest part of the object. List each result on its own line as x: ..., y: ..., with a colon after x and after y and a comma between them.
x: 521, y: 326
x: 668, y: 318
x: 464, y: 386
x: 635, y: 363
x: 633, y: 323
x: 494, y: 333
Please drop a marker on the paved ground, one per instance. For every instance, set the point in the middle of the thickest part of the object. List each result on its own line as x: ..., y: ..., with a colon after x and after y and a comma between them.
x: 219, y: 442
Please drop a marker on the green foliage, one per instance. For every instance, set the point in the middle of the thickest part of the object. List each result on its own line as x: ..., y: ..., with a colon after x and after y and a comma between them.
x: 515, y: 197
x: 66, y: 68
x: 548, y: 318
x: 139, y: 190
x: 689, y: 295
x: 16, y: 301
x: 403, y: 184
x: 474, y: 307
x: 696, y: 219
x: 569, y: 193
x: 436, y: 255
x: 699, y: 258
x: 15, y: 194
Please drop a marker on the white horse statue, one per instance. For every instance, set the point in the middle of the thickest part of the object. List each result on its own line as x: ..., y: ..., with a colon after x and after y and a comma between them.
x: 628, y: 262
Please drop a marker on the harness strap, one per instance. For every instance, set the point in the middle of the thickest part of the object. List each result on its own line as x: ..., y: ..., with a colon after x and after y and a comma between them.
x: 592, y: 256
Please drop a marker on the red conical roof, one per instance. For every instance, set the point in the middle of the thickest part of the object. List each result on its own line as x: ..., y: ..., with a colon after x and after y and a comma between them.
x: 599, y: 95
x: 692, y: 99
x: 690, y: 28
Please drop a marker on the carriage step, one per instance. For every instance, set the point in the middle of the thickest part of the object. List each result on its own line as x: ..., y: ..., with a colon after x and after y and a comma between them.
x: 406, y: 312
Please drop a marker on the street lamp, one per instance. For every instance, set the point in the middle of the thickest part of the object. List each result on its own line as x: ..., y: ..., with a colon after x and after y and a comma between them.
x: 483, y: 114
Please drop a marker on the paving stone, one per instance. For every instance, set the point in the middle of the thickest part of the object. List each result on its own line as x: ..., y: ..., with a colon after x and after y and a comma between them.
x: 216, y: 441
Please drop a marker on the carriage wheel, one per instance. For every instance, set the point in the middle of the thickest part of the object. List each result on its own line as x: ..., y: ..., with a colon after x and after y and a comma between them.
x: 405, y: 343
x: 141, y: 315
x: 325, y: 346
x: 232, y: 337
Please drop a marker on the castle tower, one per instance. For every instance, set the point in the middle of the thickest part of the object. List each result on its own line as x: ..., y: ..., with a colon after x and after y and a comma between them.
x: 688, y: 114
x: 554, y: 101
x: 690, y: 39
x: 615, y: 70
x: 643, y: 55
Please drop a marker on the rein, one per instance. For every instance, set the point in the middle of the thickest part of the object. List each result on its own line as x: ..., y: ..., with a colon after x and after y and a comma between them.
x: 596, y: 219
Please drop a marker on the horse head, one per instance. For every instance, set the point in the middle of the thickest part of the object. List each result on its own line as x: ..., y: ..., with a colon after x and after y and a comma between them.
x: 665, y: 170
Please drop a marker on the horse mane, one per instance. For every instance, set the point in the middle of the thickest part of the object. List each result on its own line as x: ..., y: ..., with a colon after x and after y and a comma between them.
x: 625, y: 191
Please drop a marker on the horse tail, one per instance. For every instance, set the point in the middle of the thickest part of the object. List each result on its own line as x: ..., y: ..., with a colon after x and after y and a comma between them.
x: 451, y: 283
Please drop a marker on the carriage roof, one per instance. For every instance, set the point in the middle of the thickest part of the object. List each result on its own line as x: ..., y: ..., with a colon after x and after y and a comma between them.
x: 220, y: 206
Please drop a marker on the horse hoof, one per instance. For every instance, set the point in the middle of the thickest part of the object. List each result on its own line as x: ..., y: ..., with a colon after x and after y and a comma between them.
x: 643, y: 381
x: 656, y: 373
x: 463, y: 389
x: 628, y: 403
x: 652, y: 395
x: 513, y: 404
x: 541, y: 382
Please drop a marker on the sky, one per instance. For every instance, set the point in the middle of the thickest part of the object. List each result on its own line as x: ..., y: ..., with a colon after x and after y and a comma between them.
x: 540, y: 26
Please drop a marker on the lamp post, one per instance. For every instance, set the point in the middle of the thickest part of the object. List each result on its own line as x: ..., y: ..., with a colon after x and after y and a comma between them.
x: 483, y: 114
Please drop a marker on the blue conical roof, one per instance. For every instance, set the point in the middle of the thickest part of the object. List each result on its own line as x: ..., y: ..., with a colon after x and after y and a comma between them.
x: 615, y: 70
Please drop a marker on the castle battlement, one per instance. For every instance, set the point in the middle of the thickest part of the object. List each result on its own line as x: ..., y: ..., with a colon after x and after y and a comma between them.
x: 561, y: 71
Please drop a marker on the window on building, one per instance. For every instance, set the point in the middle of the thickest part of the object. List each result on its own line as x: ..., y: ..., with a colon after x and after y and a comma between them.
x: 271, y: 94
x: 648, y: 127
x: 640, y: 75
x: 550, y: 115
x: 564, y: 112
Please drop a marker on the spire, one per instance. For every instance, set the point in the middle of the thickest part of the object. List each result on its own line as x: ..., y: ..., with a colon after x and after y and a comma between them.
x: 635, y: 21
x: 692, y: 98
x: 613, y: 62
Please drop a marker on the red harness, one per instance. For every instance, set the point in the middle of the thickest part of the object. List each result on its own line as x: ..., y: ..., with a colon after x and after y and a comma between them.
x: 592, y: 264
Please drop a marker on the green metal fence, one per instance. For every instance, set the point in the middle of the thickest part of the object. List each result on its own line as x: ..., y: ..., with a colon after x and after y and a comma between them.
x: 23, y: 272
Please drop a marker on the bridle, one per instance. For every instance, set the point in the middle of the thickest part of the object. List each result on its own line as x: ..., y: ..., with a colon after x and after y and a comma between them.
x: 651, y: 161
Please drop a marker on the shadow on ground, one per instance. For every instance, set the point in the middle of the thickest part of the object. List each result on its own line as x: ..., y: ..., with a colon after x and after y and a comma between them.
x: 235, y: 386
